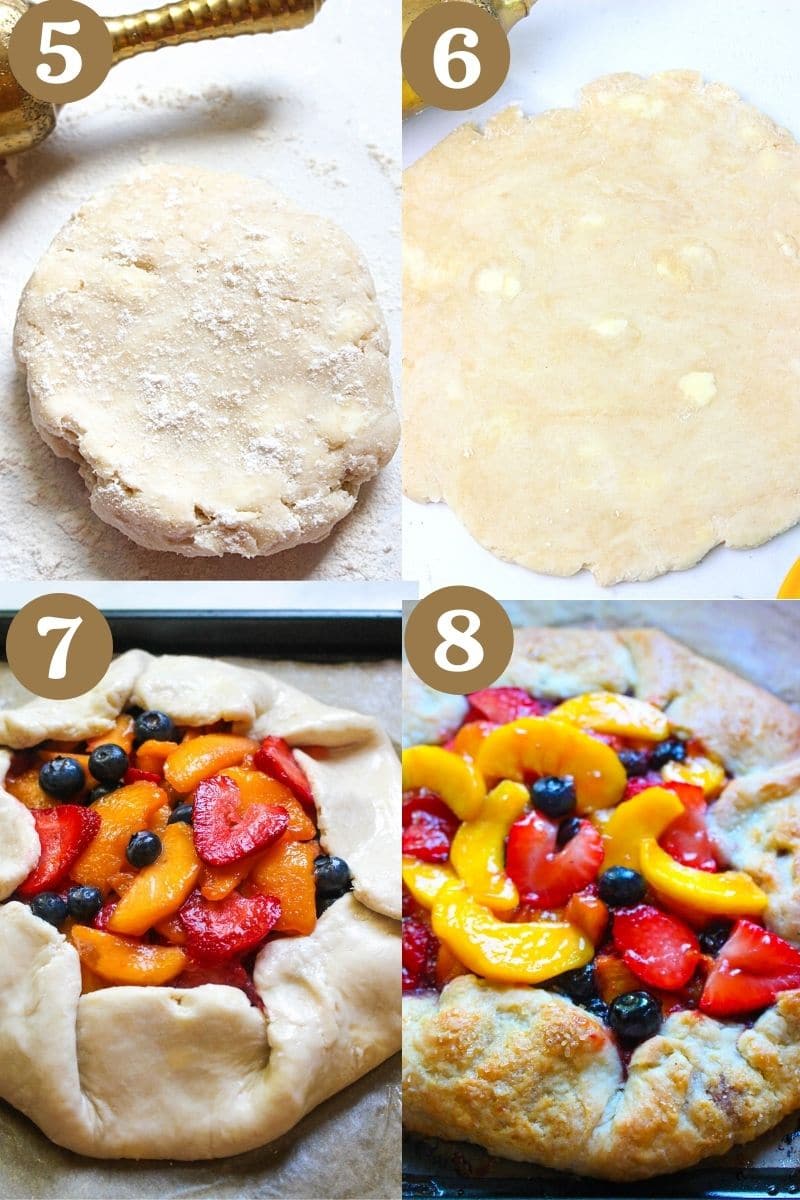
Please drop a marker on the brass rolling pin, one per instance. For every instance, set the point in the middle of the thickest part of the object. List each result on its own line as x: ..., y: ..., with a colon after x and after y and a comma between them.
x: 508, y: 12
x: 25, y: 121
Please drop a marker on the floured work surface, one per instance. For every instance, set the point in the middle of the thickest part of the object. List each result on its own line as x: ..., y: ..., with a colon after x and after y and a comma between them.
x: 601, y: 338
x: 348, y: 1147
x: 759, y: 641
x: 287, y: 109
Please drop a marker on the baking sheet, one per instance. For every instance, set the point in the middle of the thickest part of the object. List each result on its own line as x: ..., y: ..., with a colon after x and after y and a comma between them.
x: 750, y: 45
x: 761, y: 641
x: 315, y: 113
x: 348, y: 1147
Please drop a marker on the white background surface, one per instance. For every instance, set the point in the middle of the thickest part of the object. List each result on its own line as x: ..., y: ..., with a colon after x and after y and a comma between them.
x: 316, y: 113
x: 372, y: 597
x: 753, y: 46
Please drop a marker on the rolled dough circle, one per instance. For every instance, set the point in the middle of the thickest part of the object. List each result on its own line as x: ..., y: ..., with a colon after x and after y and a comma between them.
x: 602, y: 334
x: 213, y: 358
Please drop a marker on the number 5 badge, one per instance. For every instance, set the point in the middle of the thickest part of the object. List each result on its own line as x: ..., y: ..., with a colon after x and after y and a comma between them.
x: 59, y: 646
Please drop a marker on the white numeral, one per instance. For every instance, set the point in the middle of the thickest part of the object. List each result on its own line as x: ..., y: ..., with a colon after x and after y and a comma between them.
x: 463, y: 639
x: 45, y: 625
x: 73, y: 63
x: 444, y: 56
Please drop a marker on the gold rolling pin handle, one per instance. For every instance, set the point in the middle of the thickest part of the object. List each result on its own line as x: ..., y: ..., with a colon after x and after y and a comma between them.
x: 25, y: 122
x: 198, y: 20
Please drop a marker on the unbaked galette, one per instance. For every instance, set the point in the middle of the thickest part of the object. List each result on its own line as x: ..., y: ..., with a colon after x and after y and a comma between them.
x: 200, y: 938
x: 602, y: 907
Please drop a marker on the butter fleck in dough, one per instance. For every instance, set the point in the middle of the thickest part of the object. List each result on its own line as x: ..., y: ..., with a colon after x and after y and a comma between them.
x: 602, y: 335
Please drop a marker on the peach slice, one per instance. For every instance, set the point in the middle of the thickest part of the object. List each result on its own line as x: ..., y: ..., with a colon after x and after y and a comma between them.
x: 539, y: 746
x: 455, y: 780
x: 286, y: 870
x: 159, y: 890
x: 152, y: 755
x: 125, y: 961
x: 608, y: 712
x: 120, y: 734
x: 122, y: 813
x: 204, y: 756
x: 27, y: 789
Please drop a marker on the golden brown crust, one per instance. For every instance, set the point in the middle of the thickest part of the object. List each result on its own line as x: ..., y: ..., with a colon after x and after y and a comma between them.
x: 746, y: 727
x: 529, y: 1076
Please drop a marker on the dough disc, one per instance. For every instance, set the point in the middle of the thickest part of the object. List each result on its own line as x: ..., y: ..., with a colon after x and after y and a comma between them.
x: 215, y: 361
x: 602, y: 333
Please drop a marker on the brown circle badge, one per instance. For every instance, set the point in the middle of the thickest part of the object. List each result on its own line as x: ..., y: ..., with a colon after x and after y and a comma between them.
x: 456, y: 55
x: 458, y: 640
x: 59, y: 51
x: 59, y: 646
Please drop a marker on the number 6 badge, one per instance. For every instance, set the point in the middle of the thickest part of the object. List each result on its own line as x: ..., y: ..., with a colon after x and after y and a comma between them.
x: 59, y: 646
x: 455, y: 55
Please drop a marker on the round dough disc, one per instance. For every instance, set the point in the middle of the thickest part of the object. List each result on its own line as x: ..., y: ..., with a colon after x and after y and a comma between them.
x: 215, y: 361
x: 602, y: 334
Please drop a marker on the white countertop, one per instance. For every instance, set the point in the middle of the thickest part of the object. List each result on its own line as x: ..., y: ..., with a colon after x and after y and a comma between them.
x: 752, y: 45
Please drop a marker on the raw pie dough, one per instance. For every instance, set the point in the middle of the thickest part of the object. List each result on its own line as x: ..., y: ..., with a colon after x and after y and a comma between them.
x: 531, y: 1076
x: 213, y: 359
x: 160, y: 1072
x: 601, y: 333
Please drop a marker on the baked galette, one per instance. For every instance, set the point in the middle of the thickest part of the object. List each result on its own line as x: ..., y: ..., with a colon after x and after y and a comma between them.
x: 602, y: 908
x: 199, y: 939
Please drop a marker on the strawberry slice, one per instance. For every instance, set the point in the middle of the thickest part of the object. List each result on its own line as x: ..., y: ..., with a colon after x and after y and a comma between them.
x: 687, y: 839
x: 504, y: 704
x: 659, y: 949
x: 64, y: 832
x: 420, y: 949
x: 134, y: 775
x: 429, y: 826
x: 547, y: 877
x: 275, y: 758
x: 223, y: 833
x: 230, y: 974
x: 217, y: 930
x: 640, y: 783
x: 751, y: 970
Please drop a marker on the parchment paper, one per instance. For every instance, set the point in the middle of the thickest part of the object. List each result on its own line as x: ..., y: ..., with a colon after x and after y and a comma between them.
x: 348, y: 1147
x: 759, y: 640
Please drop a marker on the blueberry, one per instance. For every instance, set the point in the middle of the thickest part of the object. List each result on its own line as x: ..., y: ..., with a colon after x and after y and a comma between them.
x: 143, y: 849
x: 621, y: 887
x: 84, y: 903
x: 102, y: 789
x: 672, y: 750
x: 598, y: 1008
x: 714, y: 937
x: 61, y: 777
x: 154, y: 726
x: 579, y: 985
x: 181, y: 812
x: 108, y: 763
x: 635, y: 762
x: 554, y: 795
x: 50, y: 907
x: 332, y: 877
x: 635, y: 1016
x: 567, y: 830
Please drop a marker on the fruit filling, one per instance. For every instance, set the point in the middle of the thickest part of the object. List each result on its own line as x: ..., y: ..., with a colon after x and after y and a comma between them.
x: 169, y: 854
x: 567, y: 846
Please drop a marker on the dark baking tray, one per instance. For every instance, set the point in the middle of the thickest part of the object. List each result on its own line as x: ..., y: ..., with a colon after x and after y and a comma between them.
x: 306, y: 636
x: 455, y: 1171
